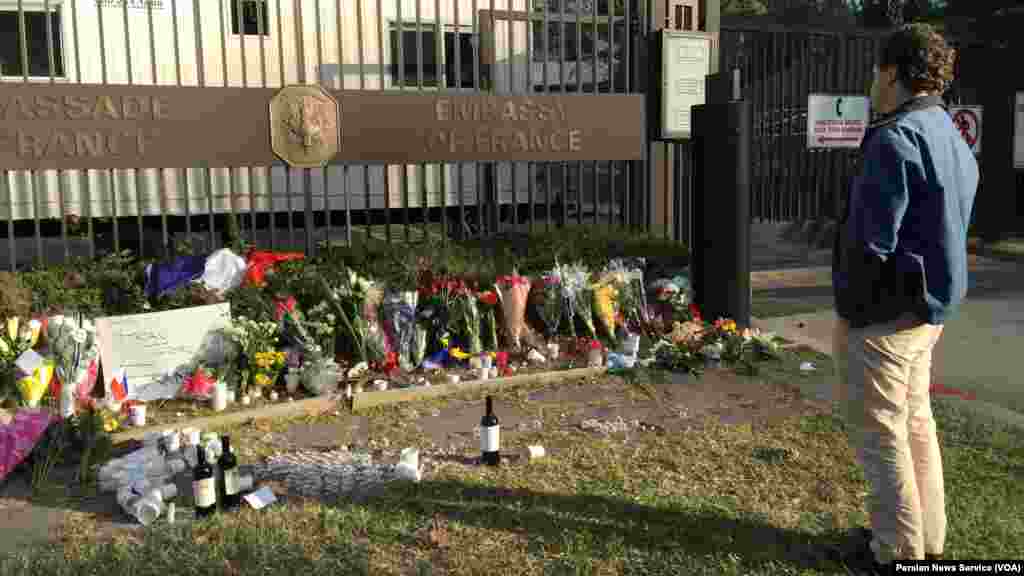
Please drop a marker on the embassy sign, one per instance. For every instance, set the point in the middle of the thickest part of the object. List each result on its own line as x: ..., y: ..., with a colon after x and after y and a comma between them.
x: 54, y: 126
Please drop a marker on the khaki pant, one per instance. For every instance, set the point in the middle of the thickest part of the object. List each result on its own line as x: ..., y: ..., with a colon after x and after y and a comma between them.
x: 884, y: 374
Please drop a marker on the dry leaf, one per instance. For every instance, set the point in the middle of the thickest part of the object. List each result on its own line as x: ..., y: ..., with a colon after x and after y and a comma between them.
x: 438, y: 534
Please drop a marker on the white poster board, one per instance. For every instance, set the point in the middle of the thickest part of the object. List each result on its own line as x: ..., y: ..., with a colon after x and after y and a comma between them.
x: 837, y: 121
x: 967, y: 120
x: 150, y: 348
x: 685, y: 65
x: 1018, y: 133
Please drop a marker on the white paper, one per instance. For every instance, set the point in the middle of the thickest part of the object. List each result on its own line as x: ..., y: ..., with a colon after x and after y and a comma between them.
x: 29, y: 361
x: 261, y: 498
x: 686, y: 62
x: 837, y: 121
x: 152, y: 347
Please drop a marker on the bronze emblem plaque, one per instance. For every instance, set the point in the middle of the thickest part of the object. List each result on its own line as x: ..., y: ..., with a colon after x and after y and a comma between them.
x: 304, y: 126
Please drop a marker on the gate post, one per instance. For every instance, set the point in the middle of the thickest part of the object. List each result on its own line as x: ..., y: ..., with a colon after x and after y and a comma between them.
x: 721, y: 210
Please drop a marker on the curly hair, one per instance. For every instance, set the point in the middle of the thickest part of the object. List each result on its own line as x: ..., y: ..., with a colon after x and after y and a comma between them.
x: 924, y: 61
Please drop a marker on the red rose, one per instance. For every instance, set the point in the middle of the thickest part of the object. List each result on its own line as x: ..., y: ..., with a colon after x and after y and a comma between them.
x: 490, y: 298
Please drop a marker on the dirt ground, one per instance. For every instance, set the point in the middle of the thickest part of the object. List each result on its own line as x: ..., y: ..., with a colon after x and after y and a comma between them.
x: 446, y: 429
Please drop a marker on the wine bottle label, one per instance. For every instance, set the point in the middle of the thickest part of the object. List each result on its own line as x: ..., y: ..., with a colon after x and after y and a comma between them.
x: 231, y: 484
x: 489, y: 436
x: 205, y: 492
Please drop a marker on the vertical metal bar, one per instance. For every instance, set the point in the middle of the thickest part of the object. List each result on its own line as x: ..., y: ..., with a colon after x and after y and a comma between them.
x: 12, y: 252
x: 136, y: 172
x: 419, y: 169
x: 476, y: 88
x: 531, y: 167
x: 307, y: 175
x: 628, y: 78
x: 563, y: 45
x: 578, y: 25
x: 419, y: 87
x: 242, y: 46
x: 509, y: 50
x: 442, y: 169
x: 546, y: 86
x: 401, y: 78
x: 491, y: 176
x: 201, y: 73
x: 33, y: 175
x: 103, y: 74
x: 593, y: 49
x: 60, y: 173
x: 398, y: 28
x: 261, y: 31
x: 113, y: 203
x: 367, y: 213
x: 181, y: 175
x: 161, y: 182
x: 341, y: 86
x: 23, y: 40
x: 83, y: 174
x: 323, y: 171
x: 778, y: 55
x: 459, y: 166
x: 233, y: 221
x: 287, y: 168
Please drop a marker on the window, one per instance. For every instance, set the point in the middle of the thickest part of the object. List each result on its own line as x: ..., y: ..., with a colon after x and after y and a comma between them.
x: 11, y: 62
x: 458, y: 46
x: 405, y: 54
x: 255, y: 20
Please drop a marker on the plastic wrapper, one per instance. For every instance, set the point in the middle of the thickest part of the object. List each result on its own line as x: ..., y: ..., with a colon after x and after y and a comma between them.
x: 579, y: 298
x: 34, y: 386
x: 605, y: 306
x: 488, y: 304
x: 628, y: 276
x: 514, y: 291
x: 421, y: 335
x: 550, y: 305
x: 398, y: 319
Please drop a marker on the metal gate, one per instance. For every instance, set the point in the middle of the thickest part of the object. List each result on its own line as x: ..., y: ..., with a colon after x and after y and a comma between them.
x: 463, y: 46
x: 781, y: 66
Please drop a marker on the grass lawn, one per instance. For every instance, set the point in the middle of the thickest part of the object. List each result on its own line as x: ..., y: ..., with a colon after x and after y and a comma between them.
x: 711, y: 499
x: 762, y: 306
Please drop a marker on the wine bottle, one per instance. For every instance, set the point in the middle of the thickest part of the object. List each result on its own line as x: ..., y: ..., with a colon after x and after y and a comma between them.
x: 231, y: 498
x: 490, y: 436
x: 204, y: 486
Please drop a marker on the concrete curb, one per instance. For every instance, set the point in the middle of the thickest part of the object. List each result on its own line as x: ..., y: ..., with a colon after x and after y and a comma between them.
x: 373, y: 399
x: 309, y: 406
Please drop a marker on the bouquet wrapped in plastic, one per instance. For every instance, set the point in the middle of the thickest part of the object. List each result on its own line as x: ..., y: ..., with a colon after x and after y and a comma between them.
x: 550, y: 304
x: 605, y: 305
x: 35, y: 385
x: 398, y: 315
x: 628, y: 277
x: 514, y: 291
x: 488, y: 304
x: 579, y: 296
x: 71, y: 341
x: 467, y: 316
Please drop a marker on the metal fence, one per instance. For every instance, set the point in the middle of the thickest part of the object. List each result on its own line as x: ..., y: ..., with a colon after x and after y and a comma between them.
x: 781, y: 67
x: 463, y: 46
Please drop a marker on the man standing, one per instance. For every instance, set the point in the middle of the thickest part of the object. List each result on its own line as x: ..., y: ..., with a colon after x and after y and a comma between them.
x: 899, y: 272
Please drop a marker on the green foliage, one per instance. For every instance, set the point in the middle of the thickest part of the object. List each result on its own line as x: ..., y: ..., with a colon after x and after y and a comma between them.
x: 744, y: 8
x: 90, y: 441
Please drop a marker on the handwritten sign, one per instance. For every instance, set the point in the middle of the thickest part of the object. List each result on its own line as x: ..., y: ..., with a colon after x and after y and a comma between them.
x: 150, y: 348
x: 837, y: 121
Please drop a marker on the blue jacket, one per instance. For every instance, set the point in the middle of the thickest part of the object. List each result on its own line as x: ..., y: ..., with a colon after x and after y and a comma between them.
x: 902, y: 244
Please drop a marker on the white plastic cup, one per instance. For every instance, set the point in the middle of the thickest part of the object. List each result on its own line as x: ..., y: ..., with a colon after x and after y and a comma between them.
x: 483, y: 373
x: 410, y: 456
x: 219, y: 400
x: 486, y: 361
x: 232, y: 397
x: 172, y: 440
x: 380, y: 385
x: 292, y: 381
x: 535, y: 452
x: 245, y: 483
x: 493, y: 372
x: 138, y: 415
x: 246, y: 400
x: 631, y: 347
x: 453, y: 378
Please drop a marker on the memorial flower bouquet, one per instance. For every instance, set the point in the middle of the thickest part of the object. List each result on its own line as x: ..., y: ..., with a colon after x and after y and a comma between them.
x: 579, y: 297
x: 71, y: 342
x: 466, y: 315
x: 488, y: 304
x: 550, y: 305
x: 514, y: 291
x: 764, y: 344
x: 398, y: 315
x: 681, y: 349
x: 20, y: 336
x: 267, y: 366
x: 354, y: 301
x: 435, y: 313
x: 252, y: 337
x: 605, y: 305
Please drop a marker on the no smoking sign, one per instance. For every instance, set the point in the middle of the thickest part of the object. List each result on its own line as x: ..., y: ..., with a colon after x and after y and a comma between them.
x: 967, y: 120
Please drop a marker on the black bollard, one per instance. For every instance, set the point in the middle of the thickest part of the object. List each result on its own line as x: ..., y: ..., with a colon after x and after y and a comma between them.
x: 721, y: 210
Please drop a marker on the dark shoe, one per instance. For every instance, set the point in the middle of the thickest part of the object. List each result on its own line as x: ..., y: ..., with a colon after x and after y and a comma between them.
x: 860, y: 560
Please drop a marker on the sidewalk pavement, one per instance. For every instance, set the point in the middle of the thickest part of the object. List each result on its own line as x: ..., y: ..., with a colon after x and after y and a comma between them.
x: 976, y: 358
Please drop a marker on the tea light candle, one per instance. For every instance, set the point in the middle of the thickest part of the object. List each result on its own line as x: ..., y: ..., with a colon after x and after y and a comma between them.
x: 380, y: 385
x: 453, y: 378
x: 483, y: 373
x: 486, y: 361
x: 273, y: 396
x: 493, y: 371
x: 246, y: 400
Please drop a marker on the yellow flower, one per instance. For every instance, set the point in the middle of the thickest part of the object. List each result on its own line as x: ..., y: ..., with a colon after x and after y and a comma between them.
x: 262, y: 380
x: 110, y: 424
x: 458, y: 354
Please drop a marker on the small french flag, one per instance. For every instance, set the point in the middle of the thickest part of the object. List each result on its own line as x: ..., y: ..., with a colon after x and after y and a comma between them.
x: 119, y: 385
